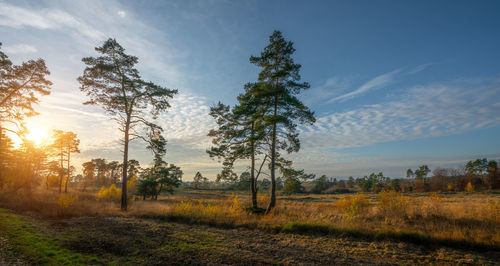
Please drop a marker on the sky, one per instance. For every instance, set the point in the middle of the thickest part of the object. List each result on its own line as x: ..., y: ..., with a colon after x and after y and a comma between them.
x: 394, y: 84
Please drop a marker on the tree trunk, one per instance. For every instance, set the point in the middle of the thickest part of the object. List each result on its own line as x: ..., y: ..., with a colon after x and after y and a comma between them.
x: 253, y: 181
x: 125, y: 166
x: 272, y: 202
x: 61, y: 174
x: 67, y: 178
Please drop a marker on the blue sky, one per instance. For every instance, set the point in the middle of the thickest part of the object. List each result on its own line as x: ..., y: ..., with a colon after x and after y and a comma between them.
x: 394, y: 84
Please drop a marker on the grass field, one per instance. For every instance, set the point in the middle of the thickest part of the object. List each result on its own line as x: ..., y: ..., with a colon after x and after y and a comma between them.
x: 206, y: 227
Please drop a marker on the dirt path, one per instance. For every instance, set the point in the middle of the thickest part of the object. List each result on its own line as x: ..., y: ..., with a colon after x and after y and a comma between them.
x: 149, y: 242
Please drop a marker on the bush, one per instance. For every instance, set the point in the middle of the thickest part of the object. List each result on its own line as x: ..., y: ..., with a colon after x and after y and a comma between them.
x: 353, y: 206
x: 292, y: 186
x: 109, y: 194
x: 393, y: 205
x: 66, y: 200
x: 469, y: 187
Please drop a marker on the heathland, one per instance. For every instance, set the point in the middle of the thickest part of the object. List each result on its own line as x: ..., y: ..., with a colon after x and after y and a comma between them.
x: 216, y: 226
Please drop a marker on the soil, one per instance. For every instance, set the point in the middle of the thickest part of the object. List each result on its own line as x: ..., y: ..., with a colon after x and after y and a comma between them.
x: 126, y: 240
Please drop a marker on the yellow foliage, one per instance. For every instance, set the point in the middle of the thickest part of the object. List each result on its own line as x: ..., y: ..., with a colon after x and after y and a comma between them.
x: 66, y: 200
x: 469, y: 187
x: 450, y: 187
x: 262, y: 199
x: 132, y: 185
x: 235, y: 207
x: 353, y: 206
x: 109, y: 194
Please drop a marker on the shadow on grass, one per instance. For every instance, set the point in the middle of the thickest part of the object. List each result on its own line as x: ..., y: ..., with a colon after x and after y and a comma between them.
x: 403, y: 236
x: 325, y: 230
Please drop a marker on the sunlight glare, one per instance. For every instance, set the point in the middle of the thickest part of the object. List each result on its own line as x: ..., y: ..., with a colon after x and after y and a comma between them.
x: 37, y: 134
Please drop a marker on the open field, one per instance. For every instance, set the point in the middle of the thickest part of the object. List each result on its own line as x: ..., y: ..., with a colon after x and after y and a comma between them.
x: 207, y: 227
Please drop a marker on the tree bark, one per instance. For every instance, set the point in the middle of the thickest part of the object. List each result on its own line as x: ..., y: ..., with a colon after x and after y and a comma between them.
x: 272, y: 202
x: 125, y: 166
x: 61, y: 174
x: 67, y: 178
x: 253, y: 183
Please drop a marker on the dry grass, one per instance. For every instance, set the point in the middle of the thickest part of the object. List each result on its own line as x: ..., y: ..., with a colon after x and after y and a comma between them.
x: 470, y: 219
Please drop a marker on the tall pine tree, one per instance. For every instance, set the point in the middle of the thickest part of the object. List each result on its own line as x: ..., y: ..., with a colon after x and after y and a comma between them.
x: 112, y: 81
x: 279, y: 106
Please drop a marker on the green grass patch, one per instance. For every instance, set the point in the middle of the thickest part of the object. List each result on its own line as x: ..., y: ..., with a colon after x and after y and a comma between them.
x: 36, y: 247
x: 192, y: 242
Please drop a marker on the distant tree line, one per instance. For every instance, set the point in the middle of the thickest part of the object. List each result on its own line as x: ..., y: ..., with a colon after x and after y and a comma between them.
x: 479, y: 174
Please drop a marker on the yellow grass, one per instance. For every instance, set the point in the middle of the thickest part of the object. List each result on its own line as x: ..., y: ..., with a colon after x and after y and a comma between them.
x: 467, y: 217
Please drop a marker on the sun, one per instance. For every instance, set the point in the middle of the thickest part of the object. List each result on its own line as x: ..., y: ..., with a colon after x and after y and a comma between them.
x: 37, y: 133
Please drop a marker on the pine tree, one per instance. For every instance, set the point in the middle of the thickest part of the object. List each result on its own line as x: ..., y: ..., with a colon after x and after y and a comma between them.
x: 277, y: 97
x: 240, y: 135
x: 112, y: 81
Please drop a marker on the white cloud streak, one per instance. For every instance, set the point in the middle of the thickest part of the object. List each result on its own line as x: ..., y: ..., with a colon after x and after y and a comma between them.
x: 424, y: 111
x: 44, y: 19
x: 20, y: 49
x: 374, y: 83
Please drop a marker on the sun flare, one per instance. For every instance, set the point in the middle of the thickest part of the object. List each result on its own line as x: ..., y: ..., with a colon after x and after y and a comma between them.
x: 36, y: 133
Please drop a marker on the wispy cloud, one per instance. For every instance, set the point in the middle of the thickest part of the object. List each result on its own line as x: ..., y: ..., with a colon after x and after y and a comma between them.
x: 374, y: 83
x: 419, y: 68
x: 332, y: 86
x: 122, y: 13
x: 20, y: 49
x: 424, y: 111
x: 19, y: 17
x: 188, y: 122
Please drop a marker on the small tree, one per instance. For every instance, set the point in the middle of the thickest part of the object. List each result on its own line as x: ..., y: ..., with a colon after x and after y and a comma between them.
x: 493, y: 175
x: 64, y: 144
x: 292, y: 185
x: 350, y: 182
x: 293, y: 180
x: 198, y: 178
x: 112, y: 81
x: 160, y: 178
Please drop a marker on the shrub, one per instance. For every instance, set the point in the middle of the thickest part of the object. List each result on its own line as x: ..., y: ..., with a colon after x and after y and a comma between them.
x: 66, y: 200
x: 235, y: 207
x: 292, y: 186
x: 431, y: 206
x: 109, y: 194
x: 469, y: 187
x: 353, y: 206
x: 393, y: 204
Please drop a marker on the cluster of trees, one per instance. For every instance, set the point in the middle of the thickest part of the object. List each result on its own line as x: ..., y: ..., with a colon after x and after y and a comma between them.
x: 20, y: 89
x: 264, y: 121
x: 32, y: 164
x: 161, y: 177
x: 112, y: 82
x: 99, y: 172
x: 28, y: 165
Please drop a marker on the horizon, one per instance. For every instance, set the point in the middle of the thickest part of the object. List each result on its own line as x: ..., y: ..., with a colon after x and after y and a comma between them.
x: 387, y: 96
